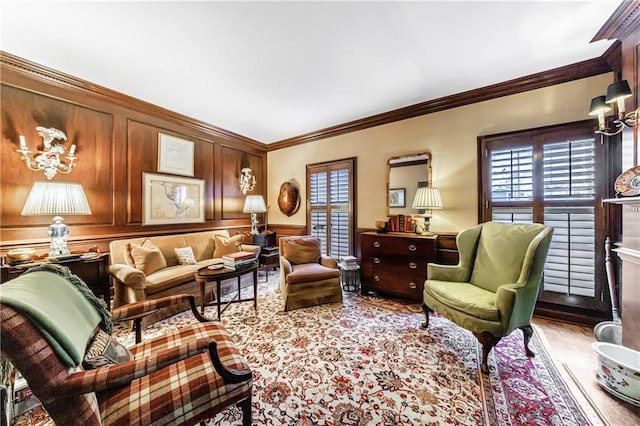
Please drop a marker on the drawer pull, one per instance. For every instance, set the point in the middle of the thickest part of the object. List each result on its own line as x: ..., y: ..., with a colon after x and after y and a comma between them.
x: 376, y: 260
x: 412, y: 247
x: 413, y: 265
x: 376, y: 279
x: 413, y: 285
x: 376, y: 244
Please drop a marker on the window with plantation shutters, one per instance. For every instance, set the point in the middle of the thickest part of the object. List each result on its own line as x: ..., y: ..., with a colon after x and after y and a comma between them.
x: 550, y: 176
x: 330, y: 211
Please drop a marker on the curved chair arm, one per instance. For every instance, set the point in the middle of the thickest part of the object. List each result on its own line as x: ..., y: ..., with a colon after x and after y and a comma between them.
x: 251, y: 248
x: 329, y: 262
x: 117, y: 375
x: 128, y: 275
x: 229, y: 375
x: 454, y: 273
x: 135, y: 310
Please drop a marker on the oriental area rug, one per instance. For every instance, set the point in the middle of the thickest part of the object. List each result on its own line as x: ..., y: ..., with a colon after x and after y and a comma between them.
x: 367, y: 361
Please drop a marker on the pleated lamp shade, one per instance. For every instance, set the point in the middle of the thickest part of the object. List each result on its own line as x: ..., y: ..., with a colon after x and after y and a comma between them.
x: 47, y: 198
x: 427, y: 198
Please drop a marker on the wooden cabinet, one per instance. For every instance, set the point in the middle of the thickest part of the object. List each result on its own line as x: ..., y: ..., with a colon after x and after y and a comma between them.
x: 396, y: 263
x: 94, y: 272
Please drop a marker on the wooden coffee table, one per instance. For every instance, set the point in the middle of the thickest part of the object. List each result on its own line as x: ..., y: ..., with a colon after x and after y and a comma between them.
x: 206, y: 275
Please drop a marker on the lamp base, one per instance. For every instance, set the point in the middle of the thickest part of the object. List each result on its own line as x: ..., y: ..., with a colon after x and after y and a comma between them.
x: 58, y: 232
x: 254, y: 224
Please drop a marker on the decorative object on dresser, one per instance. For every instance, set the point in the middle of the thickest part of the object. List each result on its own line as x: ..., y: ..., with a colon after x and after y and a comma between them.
x: 396, y: 263
x: 427, y: 198
x: 57, y: 198
x: 48, y: 160
x: 254, y: 204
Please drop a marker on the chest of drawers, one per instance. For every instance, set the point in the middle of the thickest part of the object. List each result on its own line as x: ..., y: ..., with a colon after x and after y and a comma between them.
x: 396, y: 263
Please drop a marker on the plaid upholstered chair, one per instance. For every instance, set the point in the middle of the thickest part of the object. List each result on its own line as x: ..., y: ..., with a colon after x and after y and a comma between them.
x: 58, y: 335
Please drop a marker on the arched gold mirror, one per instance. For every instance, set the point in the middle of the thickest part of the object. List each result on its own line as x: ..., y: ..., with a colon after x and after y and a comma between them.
x: 405, y: 174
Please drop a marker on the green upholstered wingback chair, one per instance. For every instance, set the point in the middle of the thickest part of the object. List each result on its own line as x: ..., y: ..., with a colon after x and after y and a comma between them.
x: 493, y: 289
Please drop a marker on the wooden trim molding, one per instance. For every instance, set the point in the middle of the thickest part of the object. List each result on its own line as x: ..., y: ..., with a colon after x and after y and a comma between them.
x: 66, y: 81
x: 624, y: 20
x: 584, y: 69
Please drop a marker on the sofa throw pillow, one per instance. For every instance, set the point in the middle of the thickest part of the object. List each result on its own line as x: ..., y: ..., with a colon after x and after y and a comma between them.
x: 185, y: 256
x: 301, y: 250
x: 104, y: 350
x: 148, y: 258
x: 227, y: 245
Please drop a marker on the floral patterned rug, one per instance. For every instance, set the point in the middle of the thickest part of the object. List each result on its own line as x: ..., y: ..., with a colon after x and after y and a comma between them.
x: 367, y: 361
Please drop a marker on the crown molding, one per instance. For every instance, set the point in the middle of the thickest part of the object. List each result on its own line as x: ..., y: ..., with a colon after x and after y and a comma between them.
x: 624, y: 20
x: 552, y: 77
x: 50, y: 76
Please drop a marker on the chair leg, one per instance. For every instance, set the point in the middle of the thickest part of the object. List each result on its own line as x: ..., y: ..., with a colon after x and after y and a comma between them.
x: 488, y: 341
x: 527, y: 332
x: 245, y: 406
x: 426, y: 310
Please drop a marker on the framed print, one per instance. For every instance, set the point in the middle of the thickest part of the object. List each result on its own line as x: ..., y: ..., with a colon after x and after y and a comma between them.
x: 171, y: 199
x: 396, y: 197
x: 175, y: 155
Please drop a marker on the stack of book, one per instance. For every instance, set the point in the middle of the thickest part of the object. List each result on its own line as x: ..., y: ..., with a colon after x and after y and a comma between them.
x: 238, y: 260
x: 349, y: 263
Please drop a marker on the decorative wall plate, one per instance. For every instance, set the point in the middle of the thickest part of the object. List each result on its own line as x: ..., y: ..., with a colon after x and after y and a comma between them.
x: 628, y: 183
x: 289, y: 198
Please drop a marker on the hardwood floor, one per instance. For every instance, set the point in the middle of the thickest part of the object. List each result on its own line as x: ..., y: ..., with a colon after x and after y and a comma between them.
x: 570, y: 346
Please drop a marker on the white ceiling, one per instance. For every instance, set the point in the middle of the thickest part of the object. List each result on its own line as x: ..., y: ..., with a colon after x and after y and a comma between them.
x: 275, y: 70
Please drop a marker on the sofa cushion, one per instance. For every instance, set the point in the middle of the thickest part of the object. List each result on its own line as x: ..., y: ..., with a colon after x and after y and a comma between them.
x: 301, y: 250
x: 148, y: 258
x: 185, y: 256
x: 227, y: 245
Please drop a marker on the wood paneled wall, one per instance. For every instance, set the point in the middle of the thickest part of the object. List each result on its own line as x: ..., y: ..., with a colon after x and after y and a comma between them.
x: 117, y: 141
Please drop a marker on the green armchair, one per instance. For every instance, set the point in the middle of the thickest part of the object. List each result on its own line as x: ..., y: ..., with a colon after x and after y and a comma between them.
x: 493, y: 289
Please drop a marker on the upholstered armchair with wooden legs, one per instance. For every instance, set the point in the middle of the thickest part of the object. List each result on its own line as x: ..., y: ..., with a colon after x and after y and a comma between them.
x: 494, y: 288
x: 307, y: 278
x: 58, y: 335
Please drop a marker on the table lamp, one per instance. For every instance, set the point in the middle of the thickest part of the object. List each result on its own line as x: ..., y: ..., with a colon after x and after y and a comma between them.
x: 427, y: 198
x: 254, y: 204
x: 57, y: 198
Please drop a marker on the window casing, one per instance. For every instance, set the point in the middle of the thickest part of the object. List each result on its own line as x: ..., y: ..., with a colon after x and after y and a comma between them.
x: 330, y: 209
x: 553, y: 175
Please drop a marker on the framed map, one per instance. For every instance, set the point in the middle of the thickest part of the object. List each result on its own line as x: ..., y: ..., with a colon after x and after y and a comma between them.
x: 171, y: 199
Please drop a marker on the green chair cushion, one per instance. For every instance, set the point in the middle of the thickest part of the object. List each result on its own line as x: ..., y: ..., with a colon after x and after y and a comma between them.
x: 54, y: 305
x: 464, y: 297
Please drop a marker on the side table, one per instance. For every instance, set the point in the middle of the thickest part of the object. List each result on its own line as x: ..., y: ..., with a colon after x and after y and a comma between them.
x: 269, y: 258
x: 94, y: 272
x: 350, y: 277
x: 206, y: 275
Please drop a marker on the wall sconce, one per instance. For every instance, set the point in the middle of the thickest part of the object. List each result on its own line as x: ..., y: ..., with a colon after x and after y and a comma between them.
x: 254, y: 204
x: 616, y: 94
x: 427, y: 198
x: 56, y: 198
x: 247, y: 180
x: 48, y: 160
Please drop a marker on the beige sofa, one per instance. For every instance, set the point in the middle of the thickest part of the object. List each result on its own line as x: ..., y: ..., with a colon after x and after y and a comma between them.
x: 132, y: 284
